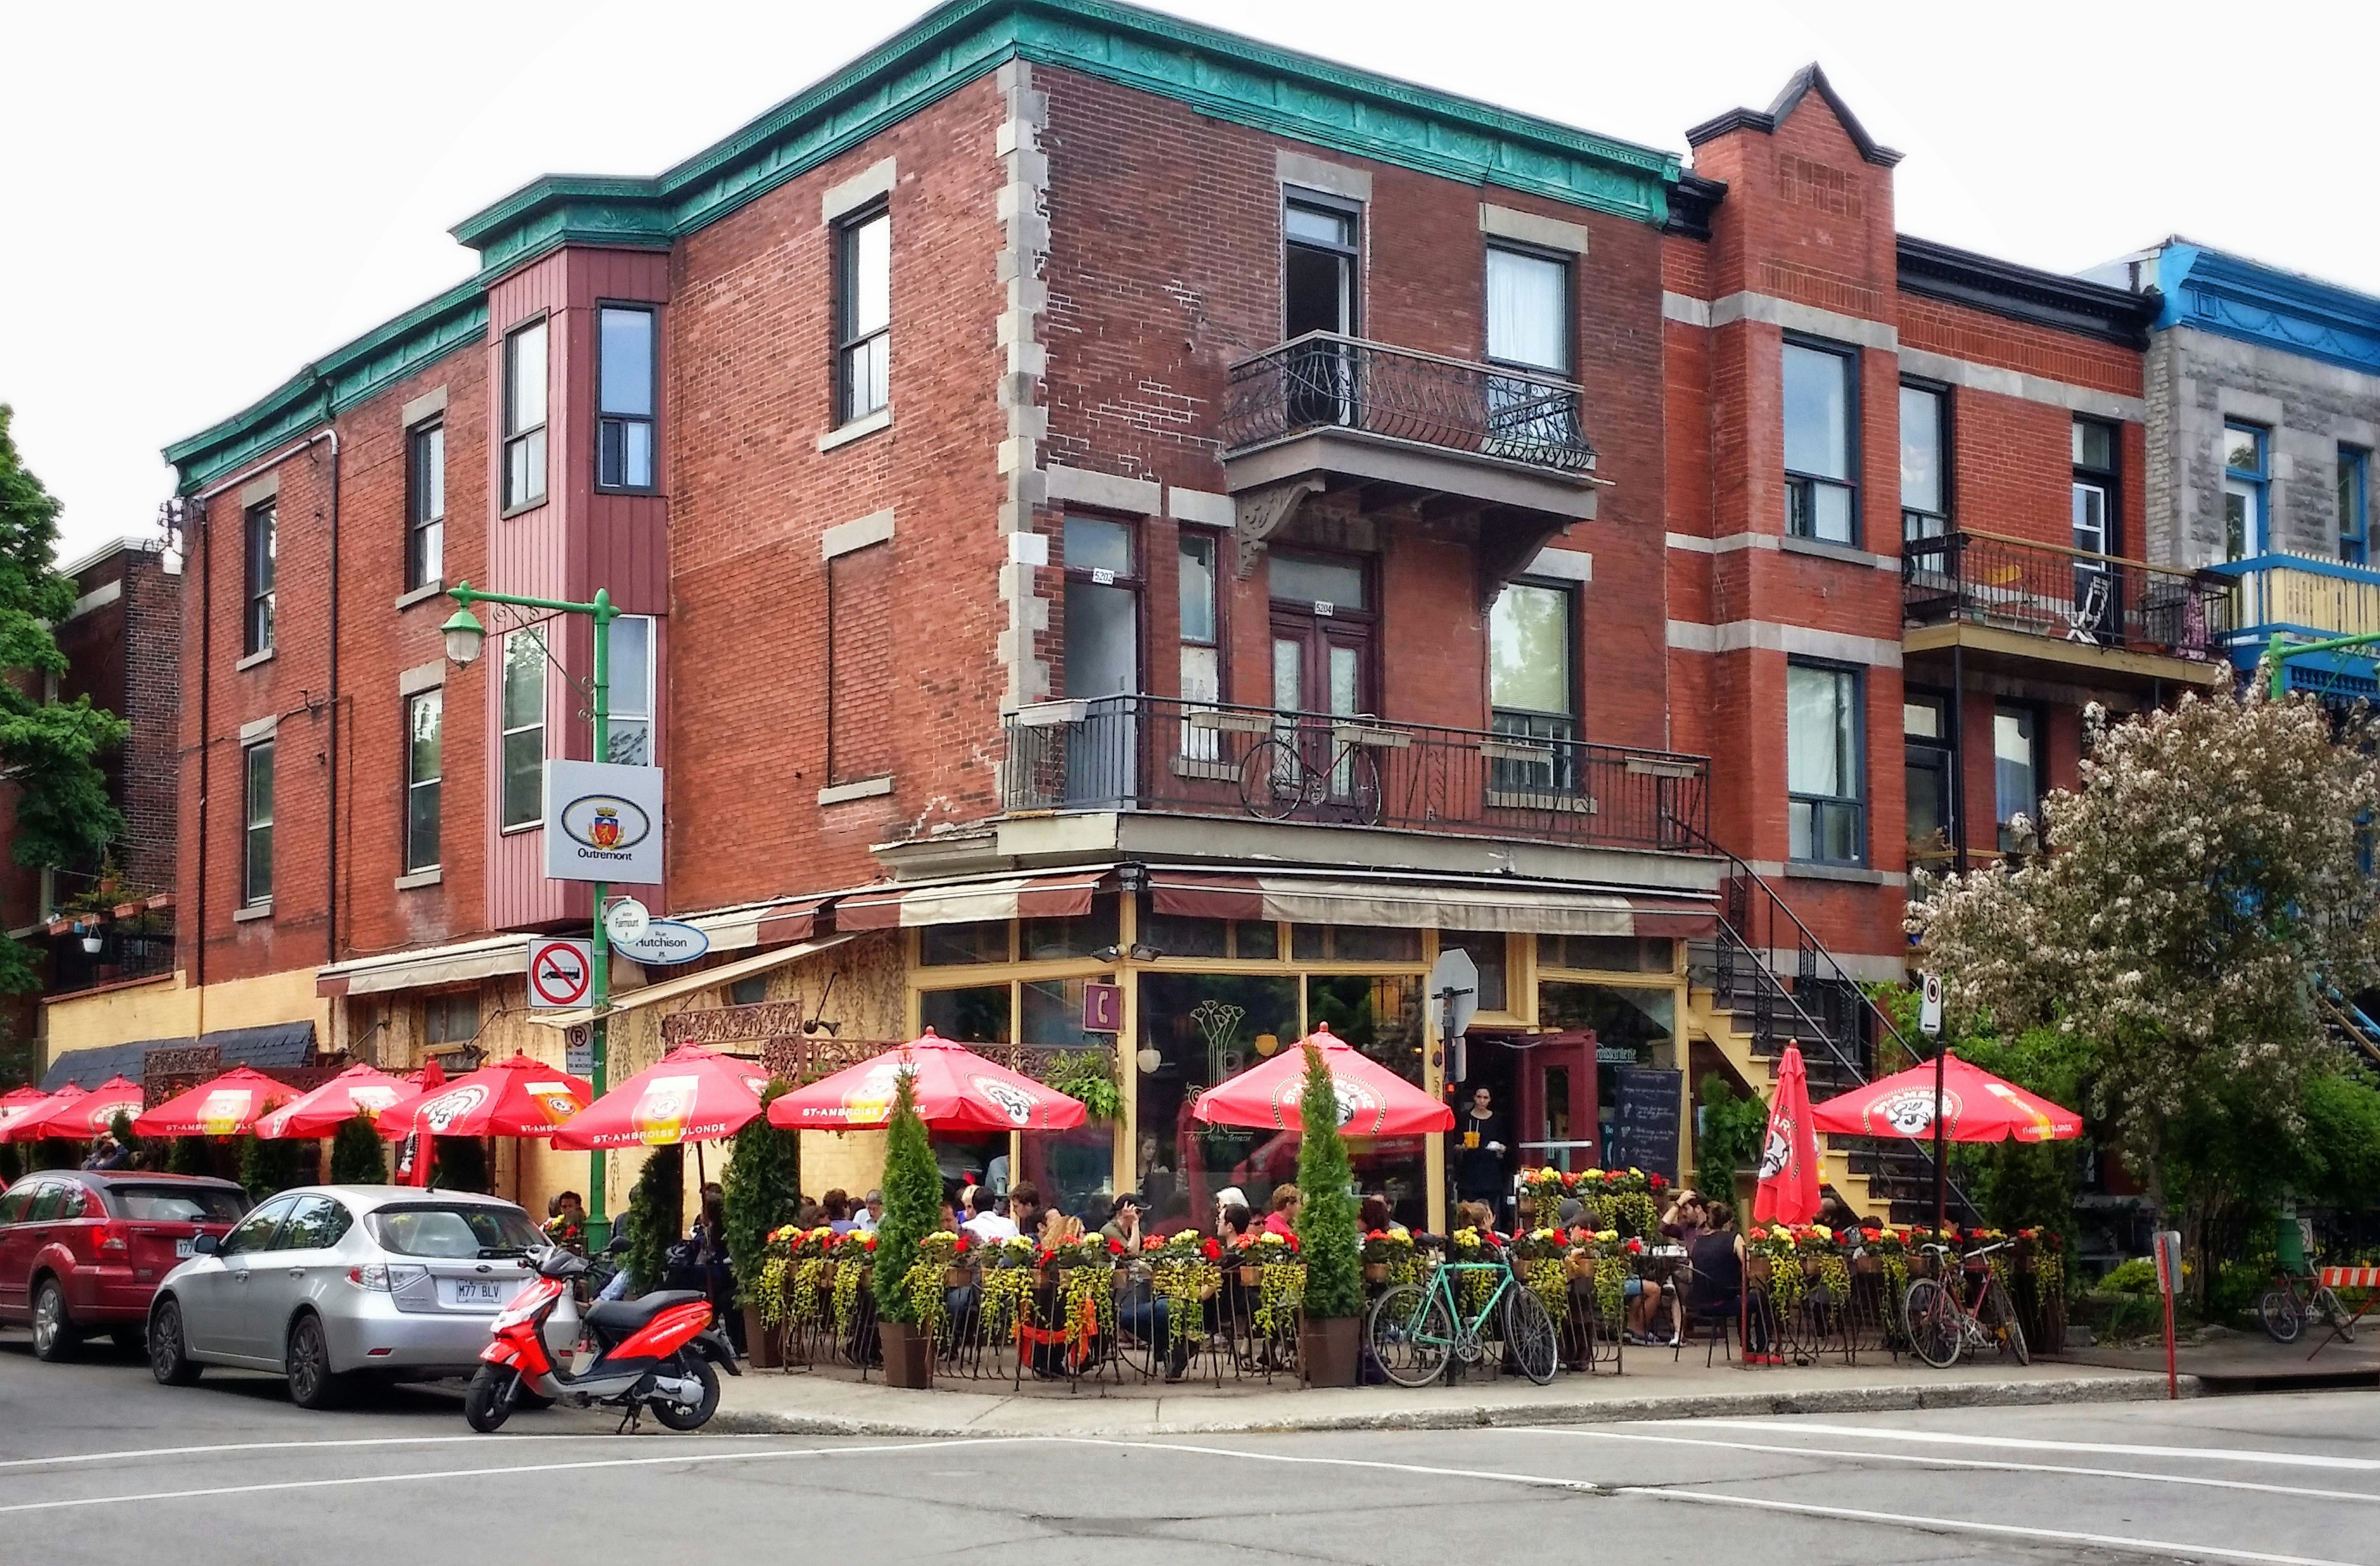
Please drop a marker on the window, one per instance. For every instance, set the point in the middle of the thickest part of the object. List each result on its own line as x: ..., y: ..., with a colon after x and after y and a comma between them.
x: 1820, y: 498
x: 424, y: 715
x: 255, y: 1231
x: 256, y: 845
x: 523, y: 728
x: 631, y: 704
x: 1822, y: 764
x: 1318, y: 275
x: 1925, y: 448
x: 2096, y: 613
x: 1102, y: 657
x: 748, y: 992
x: 2016, y: 772
x: 2354, y: 507
x: 451, y: 1018
x: 425, y: 505
x: 624, y: 412
x: 1528, y: 326
x: 863, y: 315
x: 262, y: 537
x: 1202, y: 654
x: 1530, y: 686
x: 2243, y: 490
x: 317, y: 1224
x: 525, y: 416
x: 1926, y: 759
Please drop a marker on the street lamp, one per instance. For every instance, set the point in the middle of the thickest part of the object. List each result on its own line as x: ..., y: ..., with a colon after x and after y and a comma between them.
x: 465, y: 637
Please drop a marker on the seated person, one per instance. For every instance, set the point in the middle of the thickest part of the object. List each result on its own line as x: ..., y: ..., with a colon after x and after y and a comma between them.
x: 988, y: 1225
x: 1283, y: 1219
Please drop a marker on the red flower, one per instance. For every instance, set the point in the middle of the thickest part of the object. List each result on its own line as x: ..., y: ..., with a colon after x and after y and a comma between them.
x: 1214, y: 1250
x: 1635, y: 1247
x: 962, y: 1246
x: 1115, y: 1247
x: 1150, y: 1243
x: 1292, y: 1242
x: 1657, y: 1182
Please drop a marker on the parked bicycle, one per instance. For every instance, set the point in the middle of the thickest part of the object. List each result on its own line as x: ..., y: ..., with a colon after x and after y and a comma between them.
x: 1940, y: 1326
x: 1415, y: 1330
x: 1278, y: 778
x: 2293, y: 1301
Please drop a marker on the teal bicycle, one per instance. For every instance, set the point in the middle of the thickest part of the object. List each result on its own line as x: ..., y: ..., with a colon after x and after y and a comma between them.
x: 1418, y: 1330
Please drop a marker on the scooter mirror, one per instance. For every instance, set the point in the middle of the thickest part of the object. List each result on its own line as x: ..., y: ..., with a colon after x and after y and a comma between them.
x: 619, y: 1246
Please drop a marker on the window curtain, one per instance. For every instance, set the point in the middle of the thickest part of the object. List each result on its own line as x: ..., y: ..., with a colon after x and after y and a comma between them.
x: 1819, y: 738
x: 1525, y: 300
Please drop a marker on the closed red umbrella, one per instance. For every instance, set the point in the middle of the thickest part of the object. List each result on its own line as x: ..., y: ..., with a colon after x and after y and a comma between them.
x: 73, y: 1114
x: 1373, y: 1100
x: 1976, y: 1107
x: 16, y: 1104
x: 1787, y: 1192
x: 359, y: 1090
x: 694, y: 1095
x: 958, y: 1090
x: 224, y: 1106
x: 515, y: 1098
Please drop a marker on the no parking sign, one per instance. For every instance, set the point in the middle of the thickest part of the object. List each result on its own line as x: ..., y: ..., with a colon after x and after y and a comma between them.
x: 559, y: 973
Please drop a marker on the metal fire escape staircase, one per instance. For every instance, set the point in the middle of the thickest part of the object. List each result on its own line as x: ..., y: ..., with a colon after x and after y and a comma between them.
x: 1765, y: 981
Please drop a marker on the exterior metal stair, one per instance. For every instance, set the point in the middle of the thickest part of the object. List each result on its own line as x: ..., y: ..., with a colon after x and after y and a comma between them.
x: 1740, y: 1000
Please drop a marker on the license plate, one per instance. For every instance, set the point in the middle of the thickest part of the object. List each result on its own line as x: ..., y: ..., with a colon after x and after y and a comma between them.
x: 474, y: 1292
x: 182, y: 1249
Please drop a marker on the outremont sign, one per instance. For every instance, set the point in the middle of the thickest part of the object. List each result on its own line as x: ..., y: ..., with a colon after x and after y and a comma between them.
x: 604, y: 822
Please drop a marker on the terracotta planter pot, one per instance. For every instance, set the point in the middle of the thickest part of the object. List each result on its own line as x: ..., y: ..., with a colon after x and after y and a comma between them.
x: 1868, y: 1265
x: 1756, y: 1268
x: 909, y: 1355
x: 1328, y: 1350
x: 1251, y: 1276
x: 1376, y: 1273
x: 760, y: 1345
x: 956, y: 1277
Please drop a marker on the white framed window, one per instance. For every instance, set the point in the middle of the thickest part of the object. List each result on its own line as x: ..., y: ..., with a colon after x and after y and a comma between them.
x: 1825, y: 801
x: 256, y: 837
x: 631, y: 703
x: 1822, y: 500
x: 525, y: 392
x: 424, y: 775
x: 523, y: 723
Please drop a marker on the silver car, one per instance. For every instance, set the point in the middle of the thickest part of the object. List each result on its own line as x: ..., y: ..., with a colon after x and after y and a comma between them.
x: 328, y: 1283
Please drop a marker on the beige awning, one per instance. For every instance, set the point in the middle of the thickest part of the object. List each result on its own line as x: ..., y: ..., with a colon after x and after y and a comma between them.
x: 1443, y: 903
x: 458, y: 962
x: 692, y: 983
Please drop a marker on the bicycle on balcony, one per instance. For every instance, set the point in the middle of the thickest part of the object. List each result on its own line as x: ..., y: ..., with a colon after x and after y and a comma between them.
x: 1280, y: 777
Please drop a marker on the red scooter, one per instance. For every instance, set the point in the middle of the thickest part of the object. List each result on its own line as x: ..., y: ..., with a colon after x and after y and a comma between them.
x: 655, y: 1353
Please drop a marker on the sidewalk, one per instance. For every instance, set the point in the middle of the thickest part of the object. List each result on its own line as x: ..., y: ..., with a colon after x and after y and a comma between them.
x: 837, y: 1402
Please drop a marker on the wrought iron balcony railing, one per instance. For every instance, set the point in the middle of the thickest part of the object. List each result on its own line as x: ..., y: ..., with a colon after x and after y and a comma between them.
x: 123, y: 954
x: 1200, y: 758
x: 1325, y: 381
x: 2063, y: 594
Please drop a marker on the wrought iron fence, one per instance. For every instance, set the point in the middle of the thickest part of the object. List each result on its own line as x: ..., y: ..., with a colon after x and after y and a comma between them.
x: 1204, y: 758
x: 1326, y: 381
x: 123, y: 954
x: 2063, y: 594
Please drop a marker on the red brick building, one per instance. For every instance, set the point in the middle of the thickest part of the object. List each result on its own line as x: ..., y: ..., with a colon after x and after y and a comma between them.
x: 1103, y: 499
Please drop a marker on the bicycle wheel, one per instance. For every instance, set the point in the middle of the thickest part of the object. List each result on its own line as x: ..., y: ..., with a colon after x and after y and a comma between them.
x: 2327, y: 1306
x: 1998, y: 1313
x: 2279, y: 1311
x: 1272, y: 779
x: 1410, y: 1332
x: 1933, y: 1320
x: 1529, y: 1335
x: 1363, y: 780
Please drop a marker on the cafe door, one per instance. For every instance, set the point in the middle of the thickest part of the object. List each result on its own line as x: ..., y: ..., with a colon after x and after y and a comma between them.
x: 1556, y: 1089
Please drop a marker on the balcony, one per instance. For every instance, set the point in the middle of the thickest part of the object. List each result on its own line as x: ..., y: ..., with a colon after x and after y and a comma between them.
x: 127, y: 951
x: 1141, y: 753
x: 1336, y: 423
x: 2014, y: 600
x: 2311, y: 598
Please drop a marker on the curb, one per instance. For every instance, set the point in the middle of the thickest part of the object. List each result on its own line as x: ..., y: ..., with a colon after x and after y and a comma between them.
x: 1838, y: 1400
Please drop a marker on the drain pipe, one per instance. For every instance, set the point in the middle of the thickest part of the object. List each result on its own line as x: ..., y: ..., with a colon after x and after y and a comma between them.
x: 331, y: 821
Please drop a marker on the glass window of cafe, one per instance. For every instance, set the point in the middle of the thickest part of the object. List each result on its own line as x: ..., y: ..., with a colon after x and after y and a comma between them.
x: 1635, y: 1020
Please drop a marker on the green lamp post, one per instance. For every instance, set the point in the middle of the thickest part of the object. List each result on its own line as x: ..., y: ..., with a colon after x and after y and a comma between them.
x: 464, y: 636
x: 2281, y: 650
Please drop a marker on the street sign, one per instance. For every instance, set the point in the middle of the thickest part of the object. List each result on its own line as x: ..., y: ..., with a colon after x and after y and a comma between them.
x: 603, y: 822
x: 1929, y: 1007
x: 625, y: 920
x: 559, y: 973
x: 1454, y: 984
x: 578, y: 1051
x: 663, y: 941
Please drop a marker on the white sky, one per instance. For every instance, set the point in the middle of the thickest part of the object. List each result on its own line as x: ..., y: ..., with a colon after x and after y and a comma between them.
x: 199, y: 199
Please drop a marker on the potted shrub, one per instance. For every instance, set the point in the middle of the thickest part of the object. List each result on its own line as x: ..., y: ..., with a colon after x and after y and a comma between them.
x: 763, y: 1188
x: 912, y: 1209
x: 1327, y: 1238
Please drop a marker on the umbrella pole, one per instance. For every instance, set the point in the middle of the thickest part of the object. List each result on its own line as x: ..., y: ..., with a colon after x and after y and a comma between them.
x: 1941, y: 1170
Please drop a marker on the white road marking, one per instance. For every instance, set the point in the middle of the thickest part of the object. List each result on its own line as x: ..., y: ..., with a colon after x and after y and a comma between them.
x: 322, y: 1446
x: 2020, y: 1443
x: 1928, y: 1461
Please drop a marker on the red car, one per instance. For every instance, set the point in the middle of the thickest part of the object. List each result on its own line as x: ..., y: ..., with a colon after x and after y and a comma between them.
x: 82, y: 1250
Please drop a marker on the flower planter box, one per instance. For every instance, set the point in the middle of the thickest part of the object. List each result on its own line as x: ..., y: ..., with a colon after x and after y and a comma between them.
x: 1328, y: 1350
x: 1251, y: 1276
x: 957, y: 1277
x: 1376, y: 1273
x: 761, y: 1345
x: 909, y: 1355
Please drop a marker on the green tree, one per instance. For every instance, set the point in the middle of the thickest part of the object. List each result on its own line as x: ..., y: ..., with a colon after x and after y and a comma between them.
x: 763, y: 1186
x: 191, y: 1155
x: 1729, y: 1136
x: 356, y: 1157
x: 121, y: 1129
x: 1328, y: 1237
x: 266, y: 1167
x: 50, y: 749
x: 913, y: 1202
x: 56, y: 1152
x: 656, y: 1217
x: 459, y: 1163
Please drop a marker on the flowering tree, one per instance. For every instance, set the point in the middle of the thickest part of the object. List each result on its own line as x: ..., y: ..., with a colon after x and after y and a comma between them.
x: 2200, y: 892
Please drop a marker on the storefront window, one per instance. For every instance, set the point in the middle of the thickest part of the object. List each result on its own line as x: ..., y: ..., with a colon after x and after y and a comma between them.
x: 1382, y: 1017
x: 1044, y: 939
x: 1487, y: 955
x: 979, y: 1014
x: 1606, y: 954
x: 1074, y: 1169
x: 1633, y: 1027
x: 985, y: 941
x: 1354, y: 943
x: 1203, y: 1028
x: 1178, y: 935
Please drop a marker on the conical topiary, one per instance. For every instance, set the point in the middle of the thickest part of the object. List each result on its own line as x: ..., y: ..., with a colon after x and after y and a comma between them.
x: 913, y: 1202
x: 656, y: 1211
x: 1328, y: 1239
x: 763, y: 1186
x: 266, y: 1167
x: 356, y: 1154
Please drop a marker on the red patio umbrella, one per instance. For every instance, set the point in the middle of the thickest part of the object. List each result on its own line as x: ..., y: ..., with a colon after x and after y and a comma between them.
x: 16, y: 1104
x: 958, y: 1090
x: 359, y: 1090
x: 1787, y: 1192
x: 75, y: 1114
x: 224, y: 1106
x: 1373, y: 1100
x: 1976, y: 1107
x: 694, y: 1095
x: 515, y: 1098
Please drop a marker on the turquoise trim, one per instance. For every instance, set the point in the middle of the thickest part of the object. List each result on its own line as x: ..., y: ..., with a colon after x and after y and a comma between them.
x: 1220, y: 74
x: 2236, y: 297
x: 2311, y: 565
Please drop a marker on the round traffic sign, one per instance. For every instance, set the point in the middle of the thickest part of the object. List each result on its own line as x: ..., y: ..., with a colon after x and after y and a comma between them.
x: 626, y: 921
x: 558, y: 973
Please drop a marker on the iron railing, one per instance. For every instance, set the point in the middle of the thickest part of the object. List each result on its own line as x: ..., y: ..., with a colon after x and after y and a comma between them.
x: 123, y: 956
x: 1204, y: 758
x: 1326, y: 381
x: 2063, y: 594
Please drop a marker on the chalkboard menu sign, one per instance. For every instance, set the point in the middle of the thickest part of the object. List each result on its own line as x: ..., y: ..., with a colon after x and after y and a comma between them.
x: 1644, y: 1121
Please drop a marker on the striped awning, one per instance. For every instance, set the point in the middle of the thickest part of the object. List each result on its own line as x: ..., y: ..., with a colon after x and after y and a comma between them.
x: 1480, y: 904
x: 1060, y: 894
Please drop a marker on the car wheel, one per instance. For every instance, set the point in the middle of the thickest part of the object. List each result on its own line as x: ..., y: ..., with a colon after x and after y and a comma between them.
x: 312, y: 1381
x: 168, y: 1361
x: 54, y: 1335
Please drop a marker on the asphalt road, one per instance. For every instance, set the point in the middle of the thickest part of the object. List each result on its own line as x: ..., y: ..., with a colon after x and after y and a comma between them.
x: 99, y: 1464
